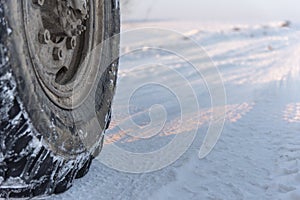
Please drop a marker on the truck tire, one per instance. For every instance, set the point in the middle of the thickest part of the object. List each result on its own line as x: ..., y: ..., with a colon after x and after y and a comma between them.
x: 57, y: 80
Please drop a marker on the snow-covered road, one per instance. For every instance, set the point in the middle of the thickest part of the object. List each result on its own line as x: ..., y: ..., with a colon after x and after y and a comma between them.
x: 258, y: 153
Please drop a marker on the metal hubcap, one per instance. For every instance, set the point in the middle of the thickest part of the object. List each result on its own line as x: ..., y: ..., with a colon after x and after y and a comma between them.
x: 60, y: 34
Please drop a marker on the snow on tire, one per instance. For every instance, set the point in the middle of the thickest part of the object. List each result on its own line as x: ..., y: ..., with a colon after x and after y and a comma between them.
x: 42, y: 149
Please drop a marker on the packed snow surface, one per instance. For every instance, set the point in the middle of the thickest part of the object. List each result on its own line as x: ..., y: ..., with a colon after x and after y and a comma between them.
x: 258, y: 153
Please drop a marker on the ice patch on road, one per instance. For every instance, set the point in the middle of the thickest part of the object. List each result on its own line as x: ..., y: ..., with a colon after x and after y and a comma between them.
x: 234, y: 113
x: 292, y: 113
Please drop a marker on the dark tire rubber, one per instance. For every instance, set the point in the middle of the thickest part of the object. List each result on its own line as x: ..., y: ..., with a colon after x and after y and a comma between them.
x: 29, y: 167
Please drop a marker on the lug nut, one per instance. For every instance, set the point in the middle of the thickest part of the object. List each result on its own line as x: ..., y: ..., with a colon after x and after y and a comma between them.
x: 44, y: 36
x: 39, y: 2
x: 81, y: 27
x: 57, y: 53
x: 71, y: 42
x: 77, y: 32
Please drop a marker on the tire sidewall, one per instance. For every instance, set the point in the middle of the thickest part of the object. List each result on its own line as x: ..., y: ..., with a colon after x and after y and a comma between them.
x: 53, y: 123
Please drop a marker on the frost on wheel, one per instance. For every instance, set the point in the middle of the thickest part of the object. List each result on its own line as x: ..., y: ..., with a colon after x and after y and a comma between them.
x: 57, y: 81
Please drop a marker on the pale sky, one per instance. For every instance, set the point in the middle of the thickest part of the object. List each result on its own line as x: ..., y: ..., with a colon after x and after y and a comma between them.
x: 216, y: 10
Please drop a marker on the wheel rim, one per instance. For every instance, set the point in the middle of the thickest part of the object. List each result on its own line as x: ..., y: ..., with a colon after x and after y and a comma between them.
x: 60, y: 35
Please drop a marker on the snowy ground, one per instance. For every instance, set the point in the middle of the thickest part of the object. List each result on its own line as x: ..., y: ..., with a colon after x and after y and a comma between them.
x: 258, y: 154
